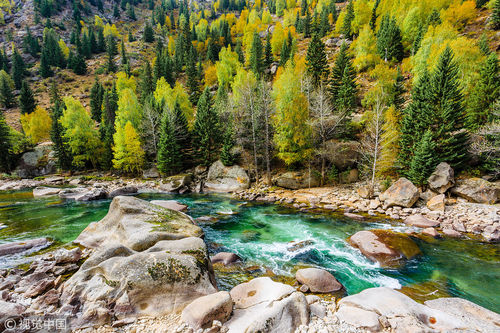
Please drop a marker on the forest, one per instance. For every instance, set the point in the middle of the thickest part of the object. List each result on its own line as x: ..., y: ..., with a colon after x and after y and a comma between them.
x: 265, y: 84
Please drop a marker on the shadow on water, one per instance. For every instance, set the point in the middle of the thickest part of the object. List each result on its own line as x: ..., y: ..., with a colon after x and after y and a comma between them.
x: 276, y: 241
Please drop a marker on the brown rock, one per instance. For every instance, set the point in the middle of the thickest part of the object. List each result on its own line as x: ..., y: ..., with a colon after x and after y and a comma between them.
x: 17, y: 247
x: 401, y: 193
x: 318, y: 280
x: 437, y: 203
x: 354, y: 216
x: 420, y: 221
x: 430, y: 232
x: 477, y: 190
x: 451, y: 233
x: 442, y: 178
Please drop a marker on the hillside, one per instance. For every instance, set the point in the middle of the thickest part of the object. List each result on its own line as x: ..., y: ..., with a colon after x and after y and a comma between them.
x: 294, y: 81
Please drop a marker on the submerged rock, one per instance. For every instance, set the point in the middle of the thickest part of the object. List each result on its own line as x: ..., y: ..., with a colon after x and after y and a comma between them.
x: 262, y: 305
x: 170, y: 204
x: 386, y: 247
x: 225, y: 258
x: 221, y: 178
x: 318, y: 280
x: 401, y: 193
x: 18, y: 247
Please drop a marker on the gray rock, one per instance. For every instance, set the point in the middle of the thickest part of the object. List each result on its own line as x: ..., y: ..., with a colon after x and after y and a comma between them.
x: 442, y: 178
x: 176, y: 183
x: 401, y: 193
x: 318, y: 280
x: 295, y: 180
x: 125, y: 190
x: 45, y: 191
x: 83, y: 194
x: 226, y: 179
x: 151, y: 173
x: 359, y: 318
x: 477, y: 190
x: 343, y: 154
x: 39, y: 162
x: 262, y: 305
x: 204, y: 310
x: 170, y: 204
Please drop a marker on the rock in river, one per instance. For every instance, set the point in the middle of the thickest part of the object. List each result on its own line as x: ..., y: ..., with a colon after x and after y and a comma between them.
x: 386, y: 247
x: 225, y: 258
x: 146, y: 261
x: 420, y: 221
x: 17, y: 247
x: 226, y: 179
x: 318, y: 280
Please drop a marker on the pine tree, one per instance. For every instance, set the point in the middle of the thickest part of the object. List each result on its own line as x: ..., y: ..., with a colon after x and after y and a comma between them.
x: 27, y: 102
x: 226, y: 157
x: 447, y: 102
x: 116, y: 11
x: 101, y: 41
x: 415, y: 121
x: 45, y: 70
x: 61, y: 149
x: 148, y: 35
x: 389, y: 41
x: 96, y: 99
x: 373, y: 18
x: 182, y: 135
x: 147, y: 85
x: 239, y: 51
x: 107, y: 128
x: 111, y: 51
x: 484, y: 94
x: 397, y: 92
x: 6, y: 87
x: 317, y: 63
x: 130, y: 11
x: 86, y: 49
x: 343, y: 88
x: 78, y: 64
x: 30, y: 44
x: 418, y: 40
x: 193, y: 80
x: 484, y: 45
x: 268, y: 52
x: 495, y: 15
x: 285, y: 53
x: 424, y: 161
x: 303, y: 7
x: 206, y: 137
x: 5, y: 145
x: 256, y: 55
x: 348, y: 18
x: 434, y: 18
x: 124, y: 54
x: 307, y: 25
x: 18, y: 69
x: 169, y: 157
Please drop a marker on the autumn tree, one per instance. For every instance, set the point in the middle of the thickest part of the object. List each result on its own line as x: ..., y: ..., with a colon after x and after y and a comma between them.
x: 36, y: 125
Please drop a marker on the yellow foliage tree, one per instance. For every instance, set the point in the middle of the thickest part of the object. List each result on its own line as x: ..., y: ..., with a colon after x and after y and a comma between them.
x: 389, y: 142
x: 365, y: 50
x: 36, y: 125
x: 170, y: 96
x: 227, y: 66
x: 128, y: 153
x: 459, y: 13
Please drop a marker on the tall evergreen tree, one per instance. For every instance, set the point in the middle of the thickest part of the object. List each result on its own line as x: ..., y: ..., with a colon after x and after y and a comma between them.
x: 96, y: 99
x: 182, y: 135
x: 5, y: 145
x: 107, y: 128
x: 307, y: 25
x: 27, y: 101
x: 424, y: 161
x: 256, y: 55
x: 206, y: 135
x: 61, y: 148
x: 111, y: 51
x: 226, y: 157
x: 397, y: 92
x: 77, y: 63
x: 6, y: 95
x: 389, y: 41
x: 484, y: 94
x: 31, y: 44
x: 268, y: 52
x: 495, y: 15
x: 193, y: 80
x: 373, y: 18
x: 317, y: 64
x: 343, y: 75
x: 169, y: 157
x: 18, y: 69
x: 148, y: 35
x: 346, y: 29
x: 147, y: 85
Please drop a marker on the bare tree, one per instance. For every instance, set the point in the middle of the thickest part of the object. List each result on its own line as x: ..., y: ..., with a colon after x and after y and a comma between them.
x: 325, y: 122
x: 371, y: 143
x: 151, y: 121
x: 266, y: 109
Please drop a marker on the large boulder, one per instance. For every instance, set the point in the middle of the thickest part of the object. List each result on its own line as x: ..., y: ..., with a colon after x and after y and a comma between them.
x: 477, y: 190
x: 83, y: 194
x: 437, y: 203
x: 318, y: 280
x: 39, y: 162
x: 145, y: 261
x: 401, y: 193
x: 442, y: 178
x: 221, y: 178
x: 342, y: 154
x: 295, y: 180
x: 386, y: 247
x: 176, y: 183
x: 125, y: 190
x: 262, y: 305
x: 45, y: 191
x: 204, y: 310
x: 397, y: 312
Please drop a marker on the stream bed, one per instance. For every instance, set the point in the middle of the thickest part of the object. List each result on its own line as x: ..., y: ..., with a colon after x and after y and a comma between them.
x: 276, y: 240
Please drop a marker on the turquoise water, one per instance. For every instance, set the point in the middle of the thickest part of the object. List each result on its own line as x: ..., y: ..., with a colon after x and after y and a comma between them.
x: 262, y: 235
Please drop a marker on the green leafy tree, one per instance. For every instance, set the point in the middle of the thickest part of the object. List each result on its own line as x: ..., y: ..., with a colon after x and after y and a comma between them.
x: 317, y: 63
x: 424, y: 161
x: 206, y: 133
x: 27, y: 101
